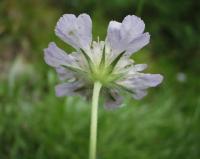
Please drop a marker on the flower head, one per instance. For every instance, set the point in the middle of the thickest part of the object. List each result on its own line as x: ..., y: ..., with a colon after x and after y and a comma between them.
x: 105, y: 61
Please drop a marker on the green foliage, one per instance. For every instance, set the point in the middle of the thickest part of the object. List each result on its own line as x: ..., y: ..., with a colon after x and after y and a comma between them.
x: 36, y: 124
x: 175, y: 31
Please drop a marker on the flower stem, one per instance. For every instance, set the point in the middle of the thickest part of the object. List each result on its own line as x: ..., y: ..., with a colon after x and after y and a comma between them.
x: 94, y: 117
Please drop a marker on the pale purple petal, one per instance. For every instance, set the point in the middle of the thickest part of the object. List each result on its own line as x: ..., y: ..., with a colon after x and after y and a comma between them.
x: 76, y: 31
x: 127, y: 36
x: 84, y: 28
x: 138, y: 43
x: 144, y: 81
x: 139, y: 67
x: 139, y: 94
x: 139, y: 82
x: 114, y: 100
x: 55, y: 57
x: 68, y: 89
x: 114, y: 37
x: 65, y: 29
x: 132, y: 27
x: 64, y: 74
x: 151, y: 80
x: 123, y: 65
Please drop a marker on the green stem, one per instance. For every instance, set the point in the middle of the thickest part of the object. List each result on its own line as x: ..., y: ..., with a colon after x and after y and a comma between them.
x: 94, y: 117
x: 140, y: 7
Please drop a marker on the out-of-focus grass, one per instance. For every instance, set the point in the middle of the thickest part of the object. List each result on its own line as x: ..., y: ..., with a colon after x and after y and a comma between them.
x: 36, y: 124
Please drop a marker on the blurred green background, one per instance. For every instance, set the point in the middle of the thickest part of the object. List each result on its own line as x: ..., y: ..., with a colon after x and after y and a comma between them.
x: 34, y: 124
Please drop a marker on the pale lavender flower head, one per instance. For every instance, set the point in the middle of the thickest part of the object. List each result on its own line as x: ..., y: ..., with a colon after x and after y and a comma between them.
x: 105, y: 61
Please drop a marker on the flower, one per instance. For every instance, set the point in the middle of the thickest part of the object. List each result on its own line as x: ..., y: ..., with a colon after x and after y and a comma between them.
x: 105, y: 61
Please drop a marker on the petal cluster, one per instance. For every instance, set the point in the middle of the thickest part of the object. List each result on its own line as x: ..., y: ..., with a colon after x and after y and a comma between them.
x: 105, y: 61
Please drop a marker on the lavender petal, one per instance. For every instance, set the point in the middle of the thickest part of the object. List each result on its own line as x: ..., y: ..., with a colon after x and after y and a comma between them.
x: 76, y: 31
x: 68, y: 89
